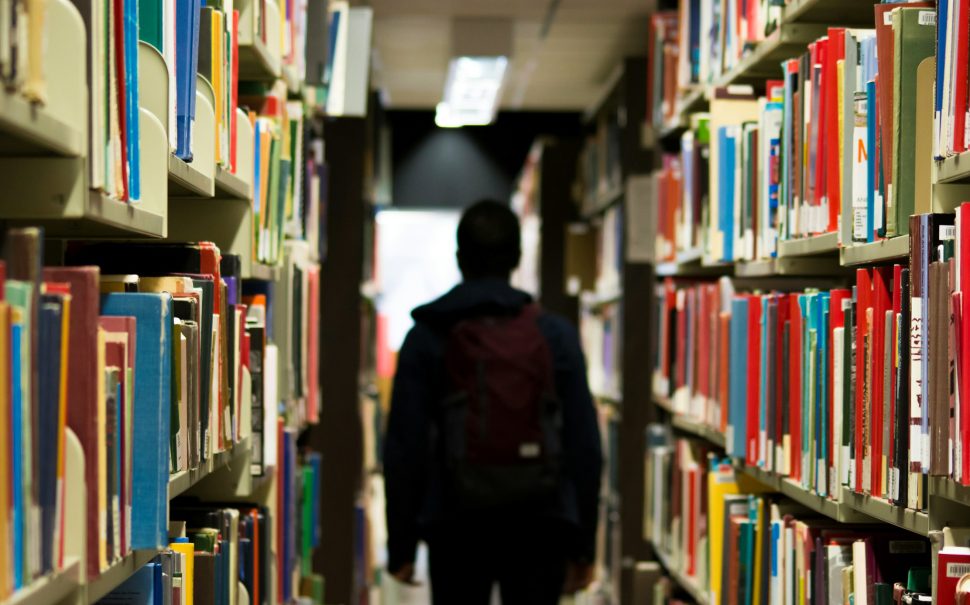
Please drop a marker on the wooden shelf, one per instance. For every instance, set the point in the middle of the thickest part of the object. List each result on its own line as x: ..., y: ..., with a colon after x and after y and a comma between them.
x: 116, y: 574
x: 186, y: 180
x: 596, y: 300
x: 877, y: 508
x: 52, y: 588
x: 183, y: 481
x: 826, y: 243
x: 876, y: 252
x: 688, y: 584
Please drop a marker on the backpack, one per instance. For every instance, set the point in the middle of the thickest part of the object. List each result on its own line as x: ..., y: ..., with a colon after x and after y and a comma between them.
x: 501, y: 419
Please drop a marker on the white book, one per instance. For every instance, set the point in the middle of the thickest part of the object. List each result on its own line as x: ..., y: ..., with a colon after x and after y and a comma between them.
x: 859, y: 571
x: 838, y: 397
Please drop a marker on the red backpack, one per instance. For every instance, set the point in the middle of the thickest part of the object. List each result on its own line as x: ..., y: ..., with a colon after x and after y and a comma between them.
x: 501, y: 432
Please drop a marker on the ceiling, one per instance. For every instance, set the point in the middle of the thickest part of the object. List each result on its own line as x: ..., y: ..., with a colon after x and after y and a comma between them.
x: 564, y: 71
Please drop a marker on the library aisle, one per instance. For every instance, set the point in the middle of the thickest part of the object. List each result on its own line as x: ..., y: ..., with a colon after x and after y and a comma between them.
x: 751, y: 216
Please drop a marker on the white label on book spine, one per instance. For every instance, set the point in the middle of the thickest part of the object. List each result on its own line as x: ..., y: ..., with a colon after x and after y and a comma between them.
x: 957, y: 570
x: 927, y: 18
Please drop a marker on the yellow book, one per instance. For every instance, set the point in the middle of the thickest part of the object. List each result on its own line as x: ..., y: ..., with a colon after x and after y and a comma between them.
x: 218, y: 81
x: 5, y: 460
x: 173, y: 284
x: 109, y: 284
x: 762, y: 527
x: 62, y: 427
x: 722, y: 481
x: 187, y: 549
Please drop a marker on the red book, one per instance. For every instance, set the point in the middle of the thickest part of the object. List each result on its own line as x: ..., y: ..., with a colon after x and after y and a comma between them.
x: 795, y: 385
x: 863, y: 294
x: 833, y: 189
x: 82, y: 381
x: 881, y: 304
x: 951, y: 565
x: 724, y: 377
x: 963, y: 245
x: 120, y: 71
x: 313, y: 346
x: 681, y: 339
x: 820, y: 61
x: 693, y: 479
x: 754, y: 377
x: 780, y: 355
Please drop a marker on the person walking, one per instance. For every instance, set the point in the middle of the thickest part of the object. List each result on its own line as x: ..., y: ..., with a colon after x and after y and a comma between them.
x: 492, y: 454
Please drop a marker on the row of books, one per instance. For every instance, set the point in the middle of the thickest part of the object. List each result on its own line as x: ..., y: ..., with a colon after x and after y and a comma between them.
x: 712, y: 36
x: 601, y: 172
x: 952, y: 98
x: 195, y: 40
x: 720, y: 530
x: 857, y: 387
x: 832, y: 142
x: 241, y: 553
x: 161, y: 345
x: 601, y: 335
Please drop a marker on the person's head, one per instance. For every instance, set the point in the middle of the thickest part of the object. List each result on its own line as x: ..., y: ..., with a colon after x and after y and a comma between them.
x: 488, y: 241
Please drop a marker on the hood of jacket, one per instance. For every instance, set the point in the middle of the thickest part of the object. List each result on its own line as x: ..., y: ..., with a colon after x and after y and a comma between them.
x: 472, y: 298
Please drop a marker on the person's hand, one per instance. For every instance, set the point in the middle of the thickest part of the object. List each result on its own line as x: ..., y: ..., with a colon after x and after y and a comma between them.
x: 405, y: 574
x: 578, y: 577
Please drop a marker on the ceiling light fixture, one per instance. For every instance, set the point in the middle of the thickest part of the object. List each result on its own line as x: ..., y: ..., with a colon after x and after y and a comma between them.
x: 471, y: 91
x: 480, y: 51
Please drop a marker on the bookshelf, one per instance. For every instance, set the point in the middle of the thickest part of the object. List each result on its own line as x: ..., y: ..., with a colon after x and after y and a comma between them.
x: 688, y: 585
x: 49, y: 153
x: 698, y: 416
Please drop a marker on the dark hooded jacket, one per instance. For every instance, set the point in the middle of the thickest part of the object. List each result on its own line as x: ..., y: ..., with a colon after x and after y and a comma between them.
x: 413, y: 470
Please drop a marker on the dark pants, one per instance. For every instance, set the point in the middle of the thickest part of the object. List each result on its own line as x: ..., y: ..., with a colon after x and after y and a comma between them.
x: 526, y: 559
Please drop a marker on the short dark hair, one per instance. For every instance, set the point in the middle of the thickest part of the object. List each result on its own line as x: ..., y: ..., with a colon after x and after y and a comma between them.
x: 488, y: 240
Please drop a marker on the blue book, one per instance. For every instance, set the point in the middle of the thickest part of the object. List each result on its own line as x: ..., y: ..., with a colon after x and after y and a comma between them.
x: 941, y: 65
x: 804, y: 305
x: 726, y: 164
x: 871, y: 127
x: 187, y: 52
x: 17, y: 447
x: 48, y: 400
x: 821, y: 435
x: 138, y: 589
x: 694, y: 36
x: 132, y: 112
x: 335, y: 18
x: 738, y: 393
x: 152, y: 409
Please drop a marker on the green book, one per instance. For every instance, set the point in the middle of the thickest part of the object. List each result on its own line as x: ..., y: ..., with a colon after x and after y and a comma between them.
x: 151, y: 19
x: 914, y: 32
x: 306, y: 505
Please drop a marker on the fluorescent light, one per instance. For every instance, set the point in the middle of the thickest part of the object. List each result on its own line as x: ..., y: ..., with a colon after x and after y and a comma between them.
x: 471, y: 91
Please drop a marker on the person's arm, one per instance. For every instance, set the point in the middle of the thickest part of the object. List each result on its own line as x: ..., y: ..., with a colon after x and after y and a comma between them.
x: 406, y: 449
x: 581, y: 440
